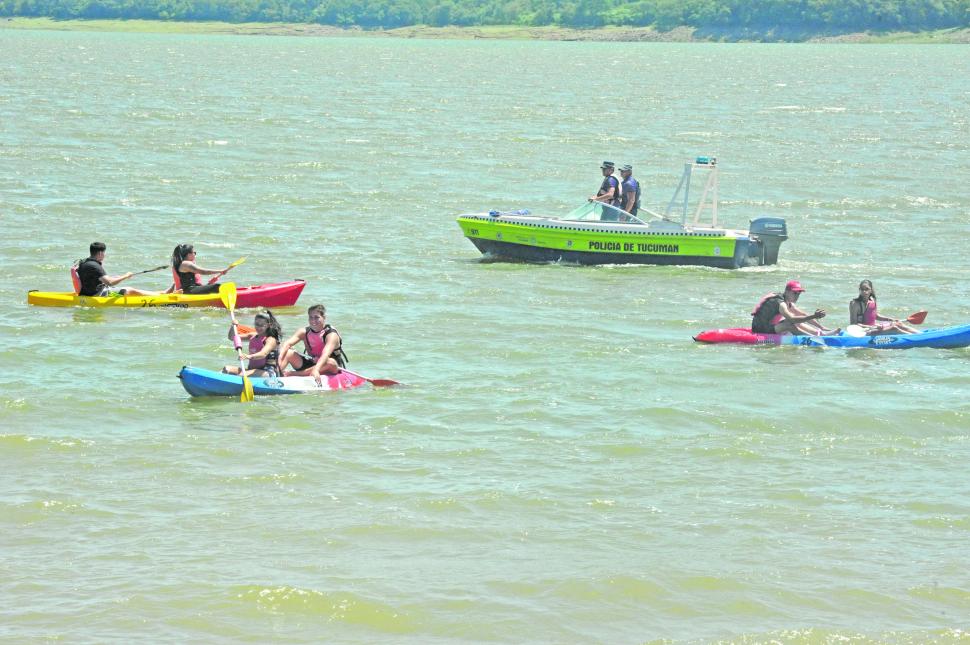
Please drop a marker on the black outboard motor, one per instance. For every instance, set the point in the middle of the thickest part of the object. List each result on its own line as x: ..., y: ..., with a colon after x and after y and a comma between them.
x: 771, y: 232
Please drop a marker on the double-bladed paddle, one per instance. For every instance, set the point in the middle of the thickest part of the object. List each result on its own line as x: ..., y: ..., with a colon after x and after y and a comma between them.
x: 227, y: 292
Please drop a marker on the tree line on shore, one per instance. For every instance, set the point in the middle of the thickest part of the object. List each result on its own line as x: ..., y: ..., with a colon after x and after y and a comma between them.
x: 754, y: 16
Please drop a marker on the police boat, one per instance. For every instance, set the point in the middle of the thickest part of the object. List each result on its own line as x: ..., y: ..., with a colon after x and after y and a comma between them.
x: 598, y: 233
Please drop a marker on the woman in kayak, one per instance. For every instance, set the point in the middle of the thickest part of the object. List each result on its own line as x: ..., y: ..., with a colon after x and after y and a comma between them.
x: 187, y: 272
x: 778, y: 314
x: 264, y: 346
x: 324, y: 348
x: 863, y: 312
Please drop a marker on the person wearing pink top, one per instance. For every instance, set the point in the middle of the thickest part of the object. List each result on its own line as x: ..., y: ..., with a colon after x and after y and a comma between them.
x: 864, y: 312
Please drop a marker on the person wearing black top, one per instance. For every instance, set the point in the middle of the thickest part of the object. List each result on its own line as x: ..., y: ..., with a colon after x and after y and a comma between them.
x: 96, y: 282
x: 188, y: 272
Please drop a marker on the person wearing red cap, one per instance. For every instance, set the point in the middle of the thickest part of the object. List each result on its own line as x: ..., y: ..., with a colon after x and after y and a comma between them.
x: 778, y: 314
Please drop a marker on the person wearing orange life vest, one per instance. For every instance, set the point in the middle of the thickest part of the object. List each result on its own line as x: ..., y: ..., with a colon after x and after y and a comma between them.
x: 778, y: 314
x: 324, y: 348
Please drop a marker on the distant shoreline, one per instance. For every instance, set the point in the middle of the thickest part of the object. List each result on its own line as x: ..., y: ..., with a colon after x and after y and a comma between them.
x: 602, y: 34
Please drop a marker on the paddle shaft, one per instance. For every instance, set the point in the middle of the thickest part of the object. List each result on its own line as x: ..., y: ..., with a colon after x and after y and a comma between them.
x: 216, y: 277
x: 164, y: 266
x: 227, y: 293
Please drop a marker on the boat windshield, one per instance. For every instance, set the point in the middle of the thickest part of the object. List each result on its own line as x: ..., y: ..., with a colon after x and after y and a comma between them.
x: 600, y: 212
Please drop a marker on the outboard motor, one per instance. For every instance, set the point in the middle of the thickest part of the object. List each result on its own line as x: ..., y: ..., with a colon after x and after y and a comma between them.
x: 771, y: 232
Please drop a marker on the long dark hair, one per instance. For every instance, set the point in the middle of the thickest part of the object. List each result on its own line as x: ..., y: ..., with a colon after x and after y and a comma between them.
x: 273, y: 328
x: 872, y: 292
x: 178, y: 255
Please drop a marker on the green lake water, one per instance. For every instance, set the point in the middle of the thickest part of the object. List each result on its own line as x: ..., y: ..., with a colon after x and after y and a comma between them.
x: 566, y: 465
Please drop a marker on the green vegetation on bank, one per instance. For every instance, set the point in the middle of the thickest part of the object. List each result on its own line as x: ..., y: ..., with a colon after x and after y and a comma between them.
x: 495, y: 32
x: 634, y: 20
x: 765, y: 17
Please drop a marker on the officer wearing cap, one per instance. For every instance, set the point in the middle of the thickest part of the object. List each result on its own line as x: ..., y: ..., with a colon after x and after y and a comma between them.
x: 629, y: 190
x: 609, y: 192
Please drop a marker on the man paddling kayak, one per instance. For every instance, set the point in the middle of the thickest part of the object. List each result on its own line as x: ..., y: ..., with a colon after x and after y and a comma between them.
x: 94, y: 281
x: 778, y: 314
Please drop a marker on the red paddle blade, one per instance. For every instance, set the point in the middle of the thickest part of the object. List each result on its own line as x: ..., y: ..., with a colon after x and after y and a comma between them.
x: 917, y: 318
x: 382, y: 382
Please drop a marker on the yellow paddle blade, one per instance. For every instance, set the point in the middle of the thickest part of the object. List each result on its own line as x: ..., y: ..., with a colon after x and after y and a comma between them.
x: 227, y: 293
x: 237, y: 263
x: 247, y: 395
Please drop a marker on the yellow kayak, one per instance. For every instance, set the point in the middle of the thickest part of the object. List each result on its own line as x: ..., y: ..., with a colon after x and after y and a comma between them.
x: 55, y: 299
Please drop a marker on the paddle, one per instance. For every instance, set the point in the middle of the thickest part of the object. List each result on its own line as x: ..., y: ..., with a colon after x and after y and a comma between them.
x: 164, y: 266
x: 219, y: 275
x: 227, y: 292
x: 917, y: 318
x: 376, y: 382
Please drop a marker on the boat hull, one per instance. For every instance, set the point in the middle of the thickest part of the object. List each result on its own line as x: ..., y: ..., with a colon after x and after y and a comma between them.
x: 942, y: 338
x: 203, y: 382
x: 534, y: 239
x: 282, y: 294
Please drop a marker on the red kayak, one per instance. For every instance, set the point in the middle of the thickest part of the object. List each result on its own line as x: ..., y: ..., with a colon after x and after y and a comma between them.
x: 281, y: 294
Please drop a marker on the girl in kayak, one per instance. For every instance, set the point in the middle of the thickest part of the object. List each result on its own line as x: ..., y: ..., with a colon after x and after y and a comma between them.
x: 264, y: 346
x: 863, y: 312
x: 187, y: 272
x: 324, y: 350
x: 778, y: 314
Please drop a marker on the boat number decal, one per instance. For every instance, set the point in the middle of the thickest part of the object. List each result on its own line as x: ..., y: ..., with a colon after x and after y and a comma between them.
x: 634, y: 247
x: 473, y: 231
x: 152, y: 303
x: 717, y: 250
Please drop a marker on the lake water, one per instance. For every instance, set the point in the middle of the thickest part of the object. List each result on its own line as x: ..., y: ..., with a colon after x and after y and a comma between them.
x: 566, y: 465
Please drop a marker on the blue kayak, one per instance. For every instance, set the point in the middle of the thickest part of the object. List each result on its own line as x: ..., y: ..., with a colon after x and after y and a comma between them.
x: 941, y: 338
x: 201, y: 382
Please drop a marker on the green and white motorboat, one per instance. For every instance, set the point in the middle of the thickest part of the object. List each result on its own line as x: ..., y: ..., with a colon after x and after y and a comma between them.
x: 597, y: 233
